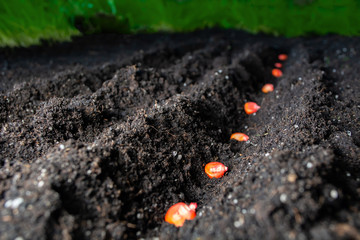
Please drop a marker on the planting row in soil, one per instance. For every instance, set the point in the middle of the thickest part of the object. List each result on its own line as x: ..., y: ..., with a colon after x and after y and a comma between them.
x: 99, y: 137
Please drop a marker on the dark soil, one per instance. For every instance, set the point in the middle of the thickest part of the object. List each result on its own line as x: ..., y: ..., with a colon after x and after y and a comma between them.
x: 99, y: 137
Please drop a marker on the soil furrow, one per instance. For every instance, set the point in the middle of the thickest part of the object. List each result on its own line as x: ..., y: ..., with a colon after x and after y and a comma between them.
x: 102, y: 149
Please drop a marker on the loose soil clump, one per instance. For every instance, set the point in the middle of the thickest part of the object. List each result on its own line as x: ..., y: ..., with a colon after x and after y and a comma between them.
x: 99, y: 137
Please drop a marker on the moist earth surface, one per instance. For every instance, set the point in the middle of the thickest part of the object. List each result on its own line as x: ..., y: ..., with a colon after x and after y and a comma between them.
x: 100, y: 136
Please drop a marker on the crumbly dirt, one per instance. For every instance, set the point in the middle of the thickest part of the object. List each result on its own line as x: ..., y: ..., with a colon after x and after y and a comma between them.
x: 99, y: 137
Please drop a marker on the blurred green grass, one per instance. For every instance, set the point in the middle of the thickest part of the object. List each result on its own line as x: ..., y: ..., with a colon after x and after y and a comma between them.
x: 25, y: 22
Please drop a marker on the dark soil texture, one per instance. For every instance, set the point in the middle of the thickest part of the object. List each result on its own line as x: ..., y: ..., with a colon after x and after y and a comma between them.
x: 99, y: 137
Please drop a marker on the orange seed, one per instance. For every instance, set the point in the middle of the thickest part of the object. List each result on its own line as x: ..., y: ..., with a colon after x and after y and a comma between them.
x: 267, y: 88
x: 277, y: 72
x: 251, y: 107
x: 282, y: 57
x: 178, y: 213
x: 241, y: 137
x: 278, y: 65
x: 215, y: 169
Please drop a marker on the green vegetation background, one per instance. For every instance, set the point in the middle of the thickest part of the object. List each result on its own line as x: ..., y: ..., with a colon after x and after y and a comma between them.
x: 26, y: 22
